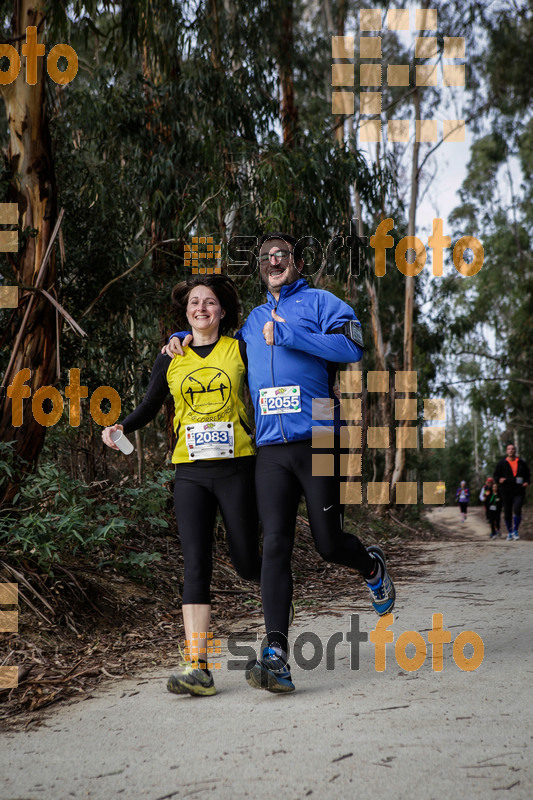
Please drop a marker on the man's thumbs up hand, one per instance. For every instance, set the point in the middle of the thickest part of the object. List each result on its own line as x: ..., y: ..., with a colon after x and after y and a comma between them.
x: 268, y: 330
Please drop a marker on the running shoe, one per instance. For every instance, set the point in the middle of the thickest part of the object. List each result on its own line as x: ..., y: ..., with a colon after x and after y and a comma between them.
x: 191, y: 679
x: 493, y: 535
x: 515, y: 535
x: 271, y: 673
x: 510, y: 537
x: 383, y: 593
x: 292, y: 612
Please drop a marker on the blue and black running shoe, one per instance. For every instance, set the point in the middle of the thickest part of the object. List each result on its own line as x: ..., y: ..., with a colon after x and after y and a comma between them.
x: 383, y: 593
x: 271, y: 673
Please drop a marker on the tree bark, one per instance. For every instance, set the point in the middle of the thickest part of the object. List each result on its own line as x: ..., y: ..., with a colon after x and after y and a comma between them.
x: 408, y: 341
x: 29, y: 159
x: 385, y: 401
x: 341, y: 19
x: 289, y: 111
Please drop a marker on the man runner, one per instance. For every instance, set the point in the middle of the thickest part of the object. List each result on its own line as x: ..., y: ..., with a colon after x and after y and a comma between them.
x: 294, y: 342
x: 512, y: 473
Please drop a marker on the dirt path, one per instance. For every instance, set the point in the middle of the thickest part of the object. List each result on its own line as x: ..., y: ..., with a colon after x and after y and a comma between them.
x: 346, y: 731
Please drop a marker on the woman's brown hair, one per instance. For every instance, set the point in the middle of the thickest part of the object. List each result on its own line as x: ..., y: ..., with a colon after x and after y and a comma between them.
x: 226, y: 293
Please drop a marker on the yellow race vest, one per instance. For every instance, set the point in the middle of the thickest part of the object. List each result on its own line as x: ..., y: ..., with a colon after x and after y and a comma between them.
x: 209, y: 390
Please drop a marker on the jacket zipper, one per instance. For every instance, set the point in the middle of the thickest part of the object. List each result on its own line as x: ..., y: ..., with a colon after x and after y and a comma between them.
x: 274, y: 383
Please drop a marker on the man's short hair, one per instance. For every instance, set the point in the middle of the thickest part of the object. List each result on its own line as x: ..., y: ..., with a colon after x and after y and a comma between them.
x: 296, y: 246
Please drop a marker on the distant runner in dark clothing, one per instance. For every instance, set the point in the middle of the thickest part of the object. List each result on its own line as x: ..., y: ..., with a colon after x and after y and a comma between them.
x: 493, y: 509
x: 484, y: 494
x: 462, y: 496
x: 512, y: 474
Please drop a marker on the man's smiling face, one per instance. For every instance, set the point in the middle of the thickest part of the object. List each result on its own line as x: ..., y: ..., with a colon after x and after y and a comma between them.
x: 276, y: 262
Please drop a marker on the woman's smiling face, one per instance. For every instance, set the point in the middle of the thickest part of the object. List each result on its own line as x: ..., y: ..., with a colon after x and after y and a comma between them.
x: 204, y: 311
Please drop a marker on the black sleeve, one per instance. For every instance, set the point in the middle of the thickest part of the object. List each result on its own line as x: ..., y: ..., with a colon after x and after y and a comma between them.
x: 244, y: 354
x: 526, y: 473
x: 498, y: 471
x: 154, y: 398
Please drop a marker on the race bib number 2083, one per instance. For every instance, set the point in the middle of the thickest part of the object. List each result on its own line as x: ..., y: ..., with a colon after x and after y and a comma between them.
x: 210, y: 440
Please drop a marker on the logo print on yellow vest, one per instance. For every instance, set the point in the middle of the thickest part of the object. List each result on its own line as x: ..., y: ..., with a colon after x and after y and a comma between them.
x: 206, y: 390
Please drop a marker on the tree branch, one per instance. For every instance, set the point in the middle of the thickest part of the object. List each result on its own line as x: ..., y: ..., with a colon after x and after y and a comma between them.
x: 345, y: 117
x: 468, y: 119
x: 147, y: 253
x: 202, y: 207
x: 474, y: 353
x: 500, y: 378
x: 72, y: 322
x: 38, y: 284
x: 123, y: 275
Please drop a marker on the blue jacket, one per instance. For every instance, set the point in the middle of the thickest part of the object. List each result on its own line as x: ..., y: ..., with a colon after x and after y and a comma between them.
x: 302, y: 349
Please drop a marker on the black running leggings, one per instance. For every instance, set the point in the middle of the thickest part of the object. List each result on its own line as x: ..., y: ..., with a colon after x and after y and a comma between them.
x: 283, y: 472
x: 197, y: 493
x: 512, y: 505
x: 494, y: 520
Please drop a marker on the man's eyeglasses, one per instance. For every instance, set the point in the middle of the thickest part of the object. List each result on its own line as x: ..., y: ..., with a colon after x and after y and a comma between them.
x: 279, y: 255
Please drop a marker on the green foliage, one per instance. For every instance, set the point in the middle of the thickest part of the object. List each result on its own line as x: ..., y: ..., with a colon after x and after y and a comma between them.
x: 172, y: 129
x: 487, y: 319
x: 54, y: 517
x: 137, y: 564
x: 147, y: 503
x: 486, y: 157
x: 509, y: 58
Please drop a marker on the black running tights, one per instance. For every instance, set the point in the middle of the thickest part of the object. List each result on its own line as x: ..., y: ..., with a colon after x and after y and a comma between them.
x: 283, y: 473
x: 196, y: 497
x: 512, y: 505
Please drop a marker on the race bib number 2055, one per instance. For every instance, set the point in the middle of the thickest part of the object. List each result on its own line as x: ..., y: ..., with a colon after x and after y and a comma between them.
x: 280, y: 400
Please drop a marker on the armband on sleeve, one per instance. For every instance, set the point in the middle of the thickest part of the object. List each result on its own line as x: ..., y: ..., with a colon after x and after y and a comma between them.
x: 352, y: 331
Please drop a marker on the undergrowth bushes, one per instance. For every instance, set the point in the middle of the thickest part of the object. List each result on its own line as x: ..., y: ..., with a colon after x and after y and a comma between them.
x: 54, y: 516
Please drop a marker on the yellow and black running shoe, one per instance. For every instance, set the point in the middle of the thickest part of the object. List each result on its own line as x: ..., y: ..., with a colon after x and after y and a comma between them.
x: 292, y: 613
x: 191, y: 679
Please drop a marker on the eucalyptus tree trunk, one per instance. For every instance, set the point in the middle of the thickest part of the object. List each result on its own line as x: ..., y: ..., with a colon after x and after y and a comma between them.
x: 341, y: 20
x: 153, y: 75
x: 289, y: 111
x: 328, y: 24
x: 408, y: 340
x: 29, y: 160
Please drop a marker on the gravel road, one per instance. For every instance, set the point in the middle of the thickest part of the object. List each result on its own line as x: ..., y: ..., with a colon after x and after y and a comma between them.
x: 346, y: 731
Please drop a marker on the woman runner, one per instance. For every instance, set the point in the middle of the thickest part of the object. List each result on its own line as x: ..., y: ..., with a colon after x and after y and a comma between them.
x: 214, y: 455
x: 462, y: 496
x: 493, y: 506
